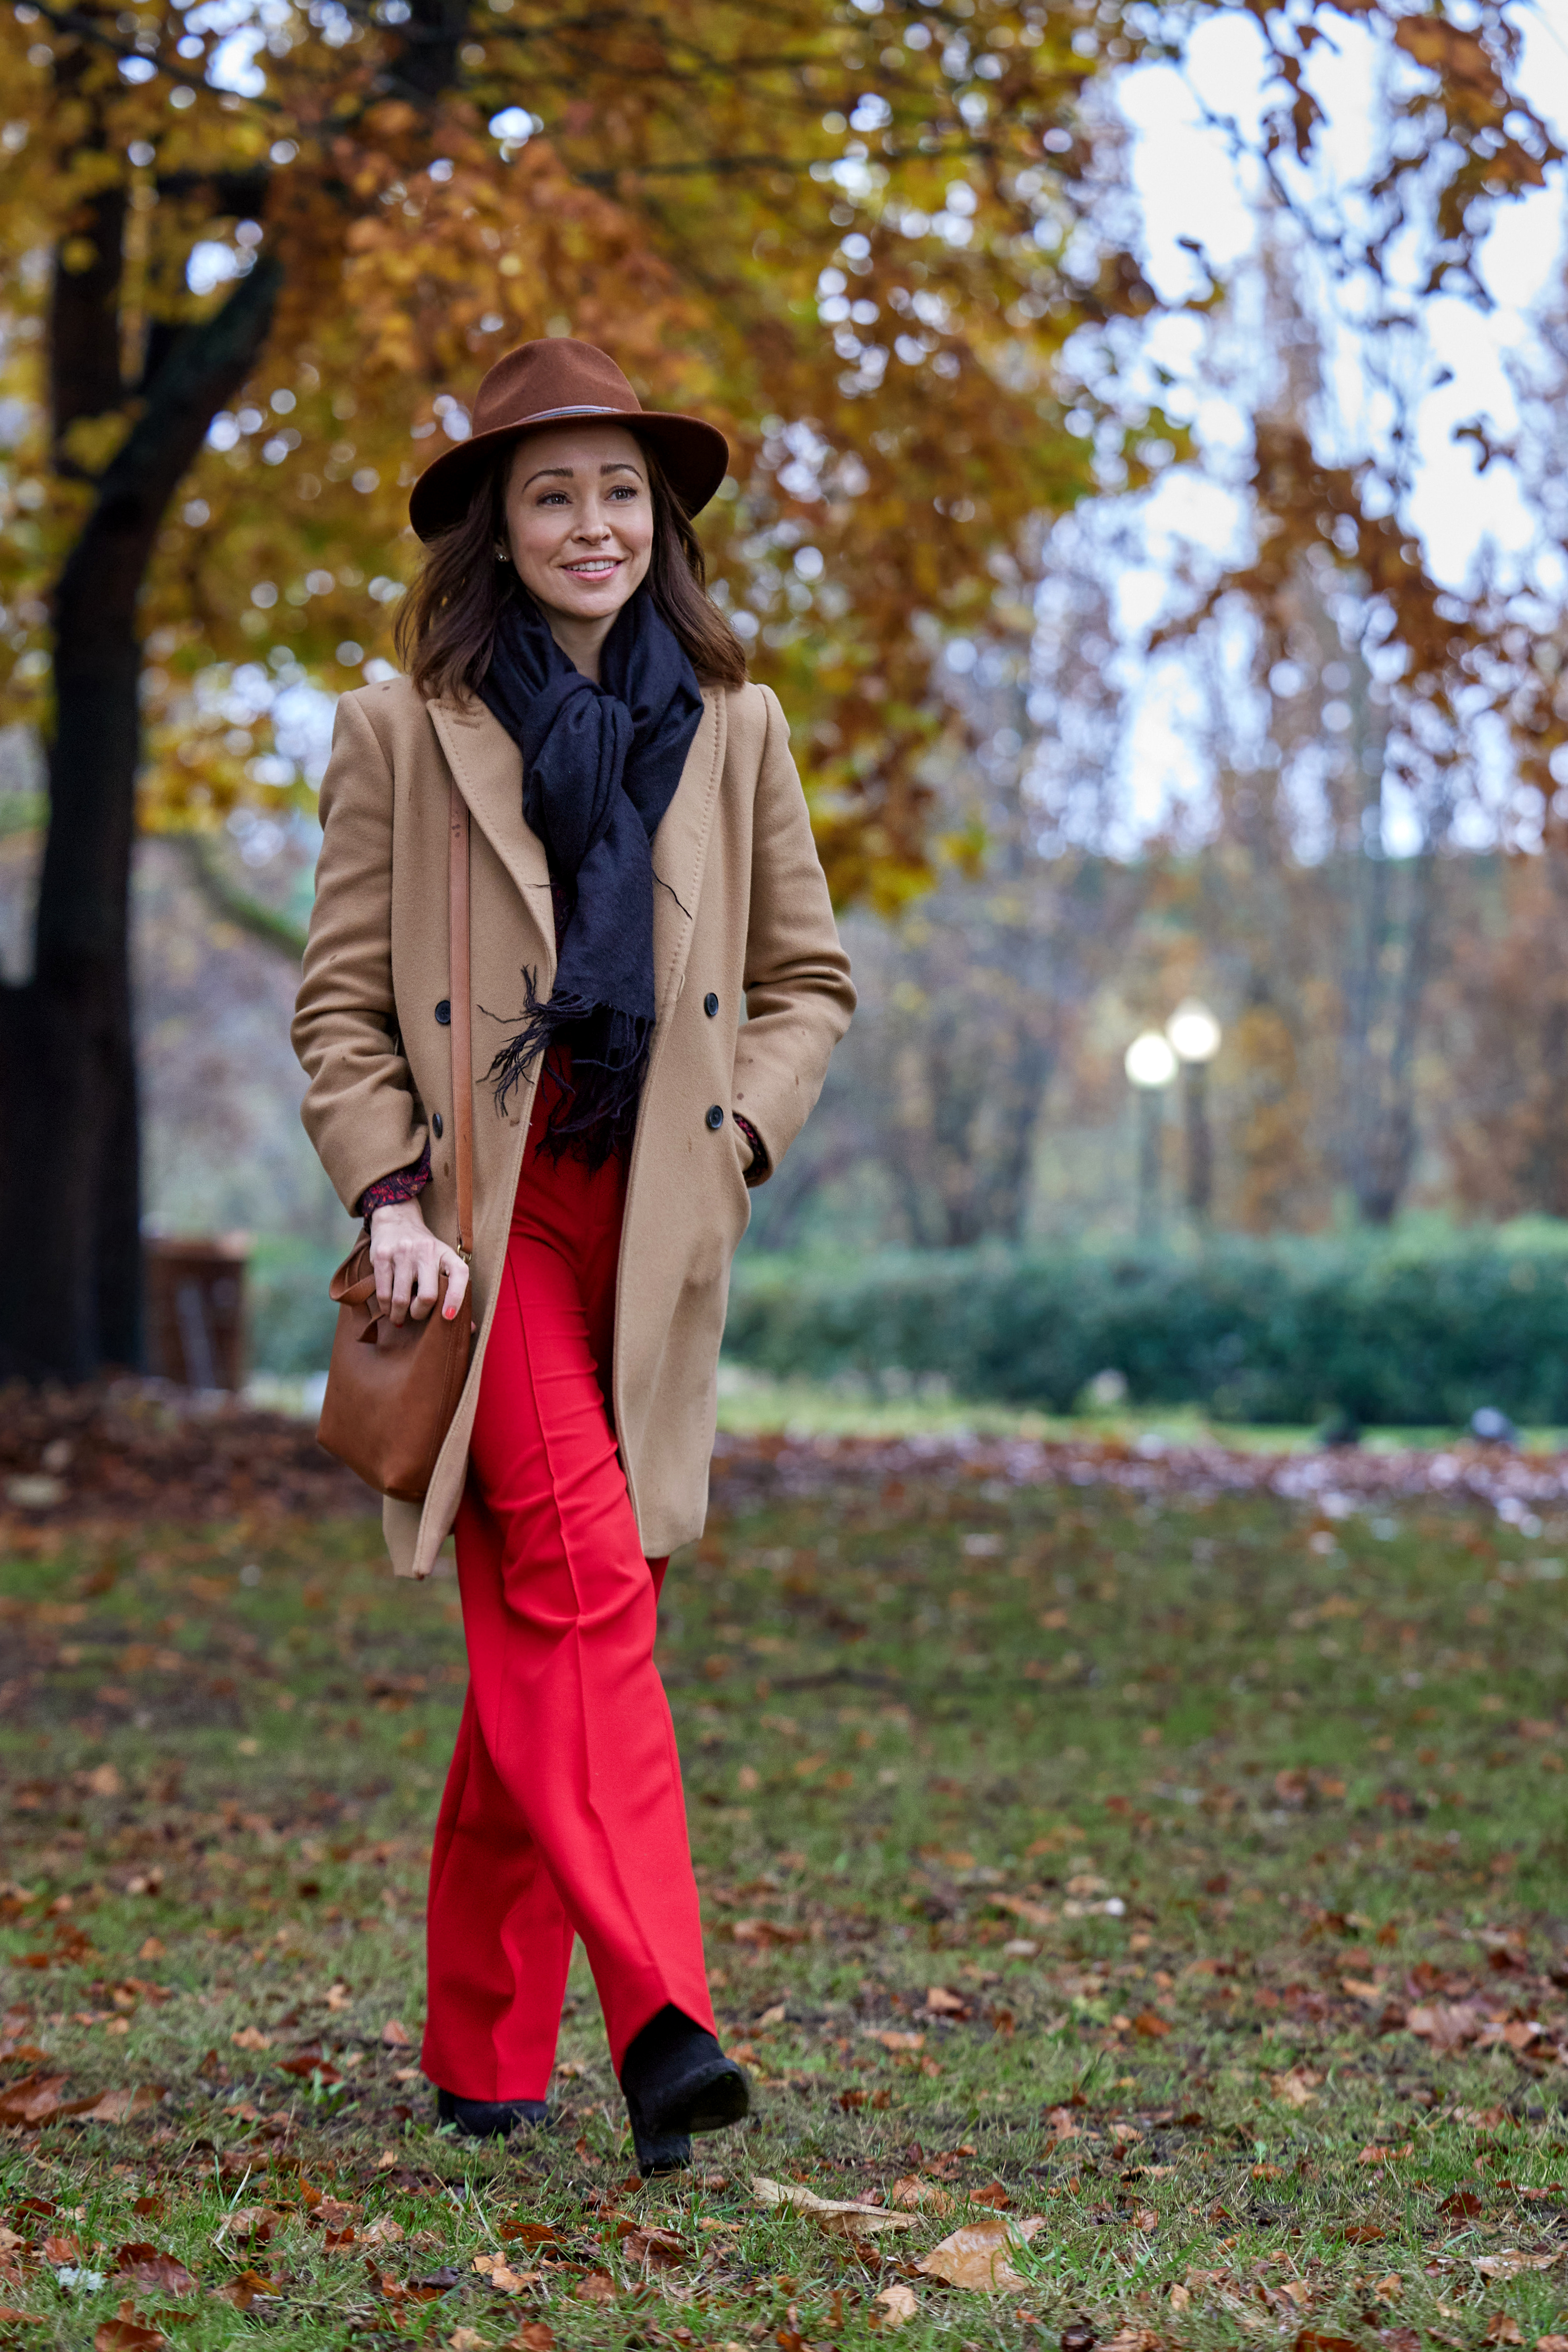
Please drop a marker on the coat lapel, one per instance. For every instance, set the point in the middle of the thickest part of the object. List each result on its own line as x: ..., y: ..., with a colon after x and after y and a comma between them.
x: 489, y: 767
x: 680, y: 849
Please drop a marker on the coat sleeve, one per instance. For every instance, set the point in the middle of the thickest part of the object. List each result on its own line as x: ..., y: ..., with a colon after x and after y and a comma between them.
x: 360, y: 1109
x: 798, y: 994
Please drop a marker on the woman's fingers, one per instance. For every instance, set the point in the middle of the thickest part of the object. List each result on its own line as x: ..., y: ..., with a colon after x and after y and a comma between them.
x: 408, y: 1268
x: 405, y: 1262
x: 456, y: 1283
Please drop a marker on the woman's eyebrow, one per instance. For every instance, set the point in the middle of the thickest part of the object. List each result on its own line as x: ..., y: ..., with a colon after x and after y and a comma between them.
x: 568, y: 473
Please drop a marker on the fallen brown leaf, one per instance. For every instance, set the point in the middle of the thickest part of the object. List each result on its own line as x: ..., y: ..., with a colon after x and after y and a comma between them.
x: 598, y: 2286
x: 32, y: 2100
x: 896, y: 2306
x: 1151, y: 2025
x: 10, y: 2317
x: 113, y: 2106
x: 129, y: 2332
x: 915, y: 2196
x: 1502, y: 2328
x: 1446, y: 2024
x: 149, y: 2267
x: 1297, y: 2087
x: 533, y: 2336
x: 1510, y: 2262
x: 844, y: 2210
x: 242, y: 2291
x: 978, y: 2257
x: 396, y: 2035
x: 653, y: 2247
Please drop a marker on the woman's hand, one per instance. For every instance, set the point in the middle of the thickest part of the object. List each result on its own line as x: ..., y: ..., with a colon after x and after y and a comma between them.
x: 407, y: 1260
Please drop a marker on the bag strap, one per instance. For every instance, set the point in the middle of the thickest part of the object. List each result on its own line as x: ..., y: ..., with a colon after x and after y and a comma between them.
x: 462, y: 1018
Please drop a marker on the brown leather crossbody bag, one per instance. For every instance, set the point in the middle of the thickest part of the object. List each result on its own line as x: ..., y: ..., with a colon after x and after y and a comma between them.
x: 392, y: 1388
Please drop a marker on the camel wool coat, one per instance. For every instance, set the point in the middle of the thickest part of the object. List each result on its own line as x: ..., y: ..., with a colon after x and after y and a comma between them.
x: 743, y: 926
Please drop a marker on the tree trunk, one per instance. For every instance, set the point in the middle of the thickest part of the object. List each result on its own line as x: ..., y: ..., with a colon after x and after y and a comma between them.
x: 70, y: 1182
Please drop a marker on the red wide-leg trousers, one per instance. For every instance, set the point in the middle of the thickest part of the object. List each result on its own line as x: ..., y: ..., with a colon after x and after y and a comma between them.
x: 563, y: 1812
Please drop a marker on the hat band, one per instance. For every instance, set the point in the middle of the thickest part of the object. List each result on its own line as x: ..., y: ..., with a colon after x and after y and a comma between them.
x: 544, y: 416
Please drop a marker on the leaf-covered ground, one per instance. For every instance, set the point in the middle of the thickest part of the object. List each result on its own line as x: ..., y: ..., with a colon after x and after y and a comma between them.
x: 1167, y: 1887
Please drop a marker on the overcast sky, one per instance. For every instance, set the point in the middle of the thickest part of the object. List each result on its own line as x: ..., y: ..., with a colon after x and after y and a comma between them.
x: 1191, y: 187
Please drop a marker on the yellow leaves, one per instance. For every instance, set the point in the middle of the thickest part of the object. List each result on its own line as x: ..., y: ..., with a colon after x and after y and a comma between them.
x: 1448, y: 49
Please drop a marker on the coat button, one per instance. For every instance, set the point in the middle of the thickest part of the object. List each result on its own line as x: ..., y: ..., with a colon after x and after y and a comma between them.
x: 715, y: 1115
x: 435, y: 1124
x: 710, y: 1004
x: 444, y: 1012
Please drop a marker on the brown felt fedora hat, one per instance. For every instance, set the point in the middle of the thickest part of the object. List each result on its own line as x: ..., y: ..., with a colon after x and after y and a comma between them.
x: 554, y: 383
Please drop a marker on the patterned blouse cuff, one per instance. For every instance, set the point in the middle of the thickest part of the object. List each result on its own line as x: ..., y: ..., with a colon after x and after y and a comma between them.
x: 760, y: 1163
x: 403, y: 1184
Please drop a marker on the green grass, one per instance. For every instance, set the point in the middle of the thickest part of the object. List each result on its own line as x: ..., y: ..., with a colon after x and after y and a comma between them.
x: 931, y: 1732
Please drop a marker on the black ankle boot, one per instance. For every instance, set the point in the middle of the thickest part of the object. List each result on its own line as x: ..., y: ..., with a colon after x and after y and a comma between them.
x: 487, y: 2118
x: 677, y: 2081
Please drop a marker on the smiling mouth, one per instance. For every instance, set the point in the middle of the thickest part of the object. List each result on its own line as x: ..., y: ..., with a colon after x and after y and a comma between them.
x: 597, y: 567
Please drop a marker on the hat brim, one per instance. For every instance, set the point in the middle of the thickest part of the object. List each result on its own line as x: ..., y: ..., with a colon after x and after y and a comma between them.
x: 694, y: 456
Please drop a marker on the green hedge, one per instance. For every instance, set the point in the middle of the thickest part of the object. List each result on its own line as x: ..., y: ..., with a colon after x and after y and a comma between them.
x: 1283, y: 1333
x: 291, y: 1319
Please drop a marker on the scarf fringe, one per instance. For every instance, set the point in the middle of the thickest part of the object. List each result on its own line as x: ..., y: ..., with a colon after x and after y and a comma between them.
x: 593, y: 1114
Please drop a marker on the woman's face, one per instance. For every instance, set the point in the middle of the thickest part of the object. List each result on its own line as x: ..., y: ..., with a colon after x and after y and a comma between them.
x: 580, y: 518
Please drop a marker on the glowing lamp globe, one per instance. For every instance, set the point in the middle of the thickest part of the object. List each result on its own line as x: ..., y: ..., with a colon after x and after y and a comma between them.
x: 1150, y: 1061
x: 1194, y: 1032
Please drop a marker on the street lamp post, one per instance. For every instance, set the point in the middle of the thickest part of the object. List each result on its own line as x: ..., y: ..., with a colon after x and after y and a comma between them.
x: 1150, y: 1064
x: 1195, y: 1035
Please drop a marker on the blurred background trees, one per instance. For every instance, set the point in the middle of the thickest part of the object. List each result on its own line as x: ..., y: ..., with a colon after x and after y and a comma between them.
x: 255, y: 256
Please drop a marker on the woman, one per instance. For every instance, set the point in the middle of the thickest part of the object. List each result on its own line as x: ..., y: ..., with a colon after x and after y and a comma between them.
x: 641, y: 868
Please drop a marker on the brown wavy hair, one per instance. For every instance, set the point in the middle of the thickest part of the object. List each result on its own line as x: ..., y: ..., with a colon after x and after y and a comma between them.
x: 446, y: 623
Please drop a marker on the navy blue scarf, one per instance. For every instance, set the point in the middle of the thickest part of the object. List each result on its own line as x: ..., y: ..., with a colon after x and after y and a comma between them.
x: 600, y: 764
